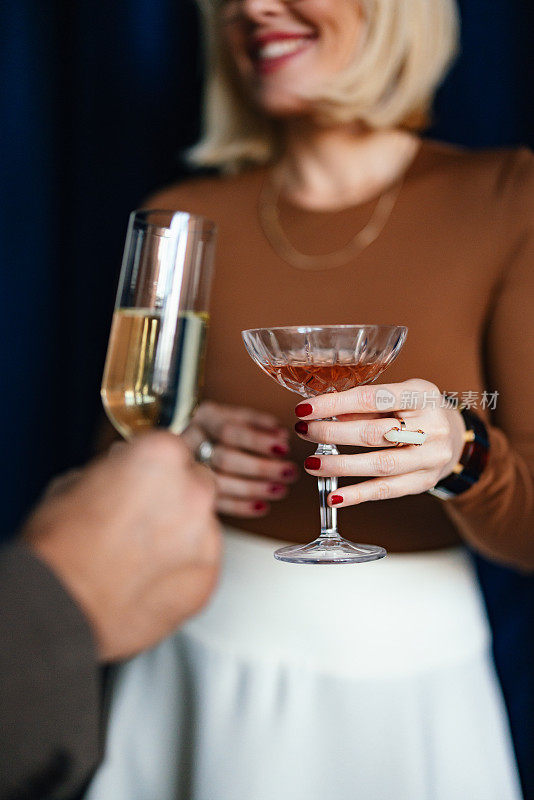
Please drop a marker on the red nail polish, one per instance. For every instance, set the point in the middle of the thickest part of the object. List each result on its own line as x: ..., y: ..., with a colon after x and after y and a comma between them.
x: 312, y: 462
x: 301, y: 427
x: 288, y: 473
x: 259, y: 506
x: 276, y: 488
x: 336, y: 499
x: 279, y: 450
x: 303, y: 410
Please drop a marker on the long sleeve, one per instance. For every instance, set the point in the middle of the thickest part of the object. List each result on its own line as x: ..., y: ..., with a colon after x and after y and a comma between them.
x: 497, y: 514
x: 49, y: 684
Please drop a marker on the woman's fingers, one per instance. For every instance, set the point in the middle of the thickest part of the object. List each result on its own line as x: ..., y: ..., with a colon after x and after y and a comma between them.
x: 385, y: 397
x: 242, y: 428
x: 232, y: 461
x: 395, y: 461
x: 213, y: 417
x: 253, y: 440
x: 234, y: 507
x: 240, y: 437
x: 231, y: 486
x: 361, y: 416
x: 256, y: 419
x: 369, y: 432
x: 248, y: 459
x: 381, y: 489
x: 393, y: 472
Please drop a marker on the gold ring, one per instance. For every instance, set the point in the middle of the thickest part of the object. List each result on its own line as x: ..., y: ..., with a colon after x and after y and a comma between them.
x: 402, y: 428
x: 419, y: 444
x: 417, y: 438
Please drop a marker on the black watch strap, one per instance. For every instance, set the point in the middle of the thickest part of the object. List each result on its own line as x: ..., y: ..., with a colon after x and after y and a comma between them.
x: 472, y: 461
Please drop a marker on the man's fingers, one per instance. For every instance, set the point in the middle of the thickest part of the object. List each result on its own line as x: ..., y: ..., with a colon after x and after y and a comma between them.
x: 62, y: 483
x: 159, y: 447
x: 204, y: 476
x: 193, y: 436
x: 118, y: 447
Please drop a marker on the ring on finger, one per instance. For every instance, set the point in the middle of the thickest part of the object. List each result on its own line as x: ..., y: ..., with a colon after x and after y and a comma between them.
x: 204, y: 453
x: 400, y: 437
x: 398, y: 443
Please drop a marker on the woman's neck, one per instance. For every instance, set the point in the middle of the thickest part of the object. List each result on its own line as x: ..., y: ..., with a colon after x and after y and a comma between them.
x: 335, y: 167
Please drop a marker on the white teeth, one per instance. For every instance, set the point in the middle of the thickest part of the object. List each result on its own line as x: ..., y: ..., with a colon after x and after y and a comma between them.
x: 281, y: 48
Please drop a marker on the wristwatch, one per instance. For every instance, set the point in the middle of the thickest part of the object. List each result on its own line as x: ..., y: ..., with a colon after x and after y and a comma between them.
x: 472, y: 461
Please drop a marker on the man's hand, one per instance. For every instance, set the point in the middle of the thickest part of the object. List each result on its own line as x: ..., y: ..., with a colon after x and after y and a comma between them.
x: 134, y: 539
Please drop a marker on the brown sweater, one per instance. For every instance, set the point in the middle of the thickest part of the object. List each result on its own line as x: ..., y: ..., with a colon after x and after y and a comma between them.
x: 455, y: 263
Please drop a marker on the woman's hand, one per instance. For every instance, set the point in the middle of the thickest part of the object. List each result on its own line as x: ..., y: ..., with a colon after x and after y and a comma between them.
x: 395, y: 471
x: 249, y: 459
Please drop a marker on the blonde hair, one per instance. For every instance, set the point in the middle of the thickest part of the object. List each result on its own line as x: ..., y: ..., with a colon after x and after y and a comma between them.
x: 407, y: 48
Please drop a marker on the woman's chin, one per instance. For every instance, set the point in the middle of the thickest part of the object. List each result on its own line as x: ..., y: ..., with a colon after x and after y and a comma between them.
x: 283, y: 107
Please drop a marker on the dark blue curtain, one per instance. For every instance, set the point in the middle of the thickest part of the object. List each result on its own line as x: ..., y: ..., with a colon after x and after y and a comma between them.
x: 97, y: 100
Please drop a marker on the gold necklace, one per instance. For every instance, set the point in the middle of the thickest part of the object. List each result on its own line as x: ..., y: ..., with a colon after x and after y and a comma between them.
x: 269, y: 217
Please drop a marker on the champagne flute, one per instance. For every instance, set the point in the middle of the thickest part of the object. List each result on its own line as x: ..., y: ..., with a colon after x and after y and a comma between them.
x: 156, y: 350
x: 311, y: 360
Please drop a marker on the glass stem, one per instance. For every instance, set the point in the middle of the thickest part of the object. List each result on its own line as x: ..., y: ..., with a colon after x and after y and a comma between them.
x: 327, y: 485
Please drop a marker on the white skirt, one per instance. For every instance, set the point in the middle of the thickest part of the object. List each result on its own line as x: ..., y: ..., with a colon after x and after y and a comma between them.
x: 348, y: 682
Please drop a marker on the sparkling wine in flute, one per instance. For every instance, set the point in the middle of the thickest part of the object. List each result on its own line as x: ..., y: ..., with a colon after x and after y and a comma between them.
x: 157, y: 346
x: 136, y: 390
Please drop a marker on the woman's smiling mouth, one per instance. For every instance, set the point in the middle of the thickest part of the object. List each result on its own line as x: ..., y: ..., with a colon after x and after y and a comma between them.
x: 272, y: 50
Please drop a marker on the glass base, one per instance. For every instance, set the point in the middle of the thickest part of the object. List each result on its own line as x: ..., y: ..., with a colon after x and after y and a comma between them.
x: 330, y: 551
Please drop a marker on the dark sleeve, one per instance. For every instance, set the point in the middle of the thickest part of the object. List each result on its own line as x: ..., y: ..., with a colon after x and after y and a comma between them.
x: 49, y: 684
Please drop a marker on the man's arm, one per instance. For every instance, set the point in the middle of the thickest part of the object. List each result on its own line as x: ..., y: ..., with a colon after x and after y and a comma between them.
x: 49, y: 683
x: 106, y: 567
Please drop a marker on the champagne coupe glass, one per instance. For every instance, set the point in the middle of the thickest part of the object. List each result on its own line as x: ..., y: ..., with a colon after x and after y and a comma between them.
x: 312, y: 360
x: 156, y: 349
